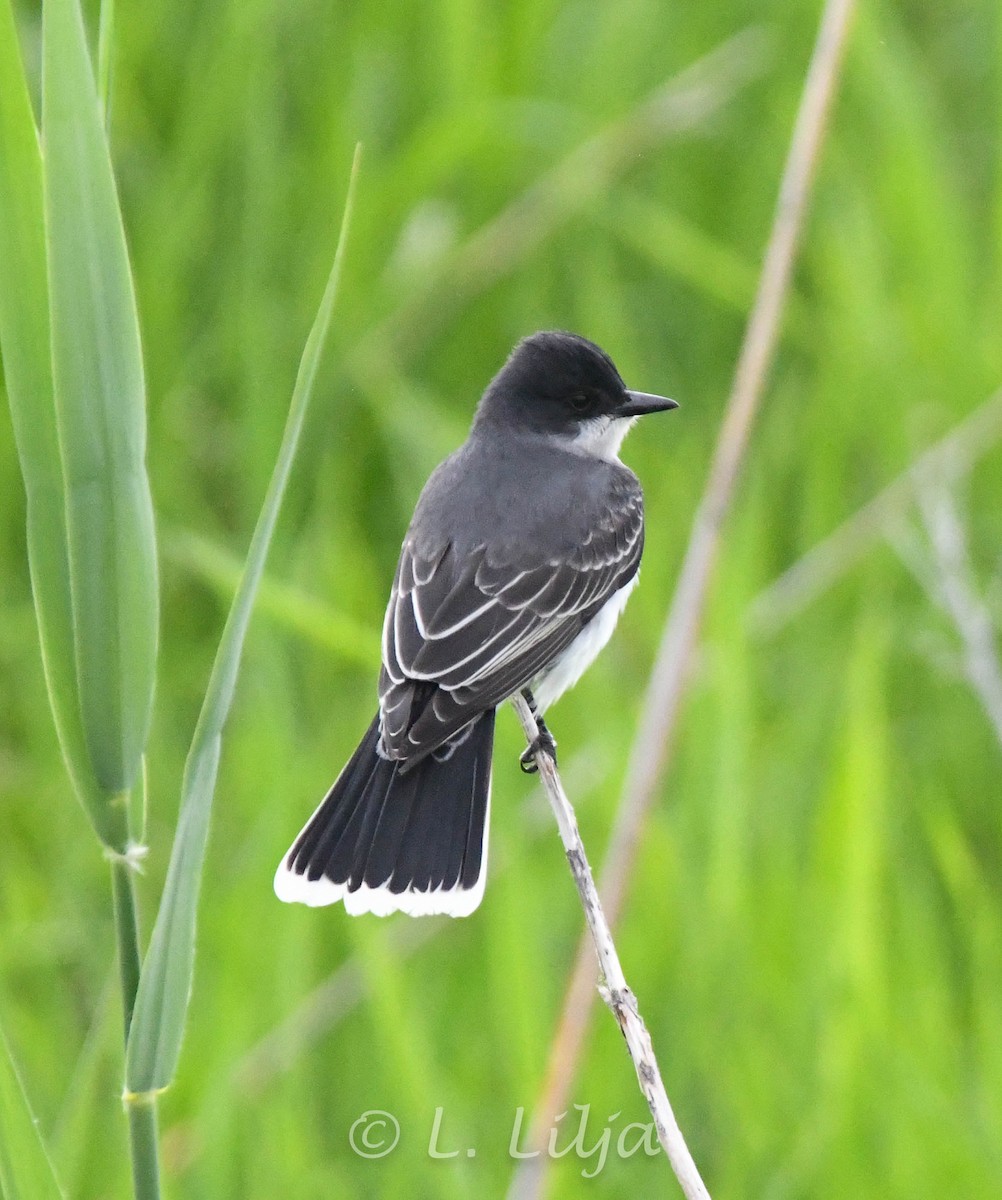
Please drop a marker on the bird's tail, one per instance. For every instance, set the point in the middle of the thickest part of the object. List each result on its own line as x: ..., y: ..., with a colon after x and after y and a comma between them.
x: 387, y: 838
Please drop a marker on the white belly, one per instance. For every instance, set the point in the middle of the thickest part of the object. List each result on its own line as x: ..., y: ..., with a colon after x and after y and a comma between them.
x: 551, y: 684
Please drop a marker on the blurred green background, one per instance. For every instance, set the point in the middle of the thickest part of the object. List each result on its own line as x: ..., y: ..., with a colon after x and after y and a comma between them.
x: 813, y: 929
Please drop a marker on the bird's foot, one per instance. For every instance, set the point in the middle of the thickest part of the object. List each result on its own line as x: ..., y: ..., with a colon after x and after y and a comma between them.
x: 545, y: 743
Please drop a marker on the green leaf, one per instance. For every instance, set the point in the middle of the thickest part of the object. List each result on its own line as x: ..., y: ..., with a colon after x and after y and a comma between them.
x: 24, y: 341
x: 165, y: 984
x: 100, y: 408
x: 25, y: 1170
x: 85, y: 1090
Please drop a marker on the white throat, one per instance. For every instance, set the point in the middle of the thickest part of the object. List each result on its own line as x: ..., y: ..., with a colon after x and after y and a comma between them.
x: 602, y: 436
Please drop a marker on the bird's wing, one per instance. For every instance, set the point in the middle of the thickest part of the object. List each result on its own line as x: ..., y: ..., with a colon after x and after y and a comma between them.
x: 464, y: 632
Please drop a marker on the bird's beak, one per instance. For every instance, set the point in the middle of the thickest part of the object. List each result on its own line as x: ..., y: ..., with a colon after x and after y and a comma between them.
x: 639, y: 403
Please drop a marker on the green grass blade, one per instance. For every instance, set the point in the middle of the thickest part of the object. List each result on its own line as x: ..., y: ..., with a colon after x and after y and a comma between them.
x: 77, y: 1128
x: 25, y: 1170
x: 315, y: 621
x: 165, y: 984
x: 101, y: 414
x: 105, y: 46
x: 24, y: 340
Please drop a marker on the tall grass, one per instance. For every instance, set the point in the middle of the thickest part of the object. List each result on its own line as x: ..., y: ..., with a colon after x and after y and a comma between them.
x: 815, y: 911
x: 78, y: 403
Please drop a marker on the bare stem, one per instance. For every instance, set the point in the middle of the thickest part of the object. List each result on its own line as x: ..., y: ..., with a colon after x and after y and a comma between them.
x: 141, y: 1111
x: 613, y: 987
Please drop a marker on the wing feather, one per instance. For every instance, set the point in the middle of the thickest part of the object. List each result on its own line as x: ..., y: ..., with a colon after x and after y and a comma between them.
x: 465, y: 630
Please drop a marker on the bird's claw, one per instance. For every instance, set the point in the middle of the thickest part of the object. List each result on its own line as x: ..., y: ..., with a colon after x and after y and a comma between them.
x: 544, y: 743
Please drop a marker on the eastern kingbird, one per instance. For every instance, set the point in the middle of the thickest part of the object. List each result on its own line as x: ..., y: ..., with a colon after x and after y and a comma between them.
x: 520, y: 556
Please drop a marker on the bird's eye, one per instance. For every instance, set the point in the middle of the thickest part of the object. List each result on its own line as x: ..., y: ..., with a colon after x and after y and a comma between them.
x: 580, y: 402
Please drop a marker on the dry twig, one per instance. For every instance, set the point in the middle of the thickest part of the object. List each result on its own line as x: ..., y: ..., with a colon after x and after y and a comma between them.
x: 613, y: 987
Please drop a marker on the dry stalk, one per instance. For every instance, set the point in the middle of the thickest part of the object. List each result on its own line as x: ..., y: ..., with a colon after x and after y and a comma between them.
x: 613, y: 986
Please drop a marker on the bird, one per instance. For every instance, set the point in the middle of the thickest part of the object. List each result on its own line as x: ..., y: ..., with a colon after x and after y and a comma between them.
x: 523, y: 549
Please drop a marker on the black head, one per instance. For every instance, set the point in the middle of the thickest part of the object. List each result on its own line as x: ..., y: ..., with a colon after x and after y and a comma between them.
x: 557, y: 382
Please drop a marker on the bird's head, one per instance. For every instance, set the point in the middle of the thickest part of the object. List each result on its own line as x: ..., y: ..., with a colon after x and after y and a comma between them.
x: 562, y: 385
